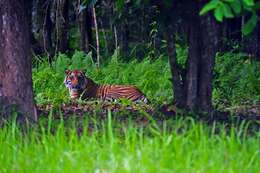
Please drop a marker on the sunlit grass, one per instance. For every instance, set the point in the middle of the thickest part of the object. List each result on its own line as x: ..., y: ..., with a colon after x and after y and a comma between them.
x: 180, y: 145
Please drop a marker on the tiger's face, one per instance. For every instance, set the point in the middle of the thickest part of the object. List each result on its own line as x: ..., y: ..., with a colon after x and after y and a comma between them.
x: 75, y: 81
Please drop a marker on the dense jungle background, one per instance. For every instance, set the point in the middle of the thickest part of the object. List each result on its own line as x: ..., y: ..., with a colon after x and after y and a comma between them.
x: 198, y: 62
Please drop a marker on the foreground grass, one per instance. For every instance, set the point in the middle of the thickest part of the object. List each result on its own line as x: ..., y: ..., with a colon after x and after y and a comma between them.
x: 181, y: 145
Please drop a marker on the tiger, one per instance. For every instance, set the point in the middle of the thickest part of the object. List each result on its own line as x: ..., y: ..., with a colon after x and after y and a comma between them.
x: 81, y: 86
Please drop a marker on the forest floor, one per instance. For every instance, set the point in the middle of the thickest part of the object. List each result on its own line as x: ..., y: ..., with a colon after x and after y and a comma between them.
x: 143, y: 114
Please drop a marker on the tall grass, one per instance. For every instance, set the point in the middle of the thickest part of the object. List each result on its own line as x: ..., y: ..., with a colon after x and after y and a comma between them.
x: 182, y: 145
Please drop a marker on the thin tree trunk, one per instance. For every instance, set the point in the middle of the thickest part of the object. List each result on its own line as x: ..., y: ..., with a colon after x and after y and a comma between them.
x: 177, y: 83
x: 85, y: 28
x: 43, y: 28
x: 97, y: 36
x: 15, y: 59
x: 47, y: 30
x: 116, y: 38
x: 62, y: 24
x: 105, y: 37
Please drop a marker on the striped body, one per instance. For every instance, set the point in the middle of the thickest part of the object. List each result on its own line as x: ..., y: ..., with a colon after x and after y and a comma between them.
x: 80, y: 85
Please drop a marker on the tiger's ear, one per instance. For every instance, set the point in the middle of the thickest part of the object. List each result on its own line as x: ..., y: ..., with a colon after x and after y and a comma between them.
x: 83, y: 72
x: 67, y: 71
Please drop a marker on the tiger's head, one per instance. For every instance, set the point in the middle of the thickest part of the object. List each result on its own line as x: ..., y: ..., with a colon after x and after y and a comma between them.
x: 75, y: 81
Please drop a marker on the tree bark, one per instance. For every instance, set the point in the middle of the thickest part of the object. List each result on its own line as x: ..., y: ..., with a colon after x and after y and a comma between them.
x: 203, y: 45
x: 15, y: 59
x: 209, y: 47
x: 47, y: 32
x: 97, y: 37
x: 123, y: 31
x: 43, y: 27
x: 177, y: 82
x: 85, y: 28
x: 192, y: 86
x: 191, y: 83
x: 62, y: 26
x: 252, y: 44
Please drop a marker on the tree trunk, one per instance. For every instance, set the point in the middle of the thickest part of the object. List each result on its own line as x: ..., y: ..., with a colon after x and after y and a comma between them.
x: 43, y: 27
x: 252, y: 44
x: 123, y: 32
x: 177, y: 83
x: 47, y: 30
x: 191, y: 83
x: 209, y: 47
x: 192, y: 87
x: 85, y: 28
x: 97, y: 37
x: 62, y: 23
x: 15, y: 59
x: 203, y: 44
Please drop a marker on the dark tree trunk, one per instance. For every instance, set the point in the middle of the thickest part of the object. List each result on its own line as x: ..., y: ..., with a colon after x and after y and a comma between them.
x: 123, y: 32
x: 123, y: 35
x: 15, y: 59
x: 209, y: 47
x: 191, y: 83
x: 192, y: 87
x: 62, y: 26
x: 28, y: 6
x: 43, y: 27
x: 47, y: 32
x: 252, y: 44
x: 36, y: 47
x: 110, y: 11
x: 85, y: 27
x: 203, y: 44
x: 177, y: 81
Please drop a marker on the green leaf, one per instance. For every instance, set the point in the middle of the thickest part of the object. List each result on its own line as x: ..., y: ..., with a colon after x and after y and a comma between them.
x: 250, y: 24
x: 218, y: 13
x: 229, y: 0
x: 209, y: 6
x: 236, y: 6
x: 249, y: 2
x: 257, y: 6
x: 227, y: 11
x: 120, y: 4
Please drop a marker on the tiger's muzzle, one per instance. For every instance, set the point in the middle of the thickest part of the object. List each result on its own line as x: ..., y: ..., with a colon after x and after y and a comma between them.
x: 74, y: 90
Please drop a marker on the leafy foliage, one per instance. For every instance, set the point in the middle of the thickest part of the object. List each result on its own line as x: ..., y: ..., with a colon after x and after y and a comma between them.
x: 150, y: 76
x: 231, y: 8
x: 237, y: 80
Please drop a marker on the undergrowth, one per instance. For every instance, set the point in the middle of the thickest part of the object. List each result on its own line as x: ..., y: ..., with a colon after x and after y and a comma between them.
x: 236, y: 78
x: 237, y: 81
x: 151, y: 76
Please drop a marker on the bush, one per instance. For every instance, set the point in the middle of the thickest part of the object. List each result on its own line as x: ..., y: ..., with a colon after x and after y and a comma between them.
x: 237, y: 80
x: 150, y: 76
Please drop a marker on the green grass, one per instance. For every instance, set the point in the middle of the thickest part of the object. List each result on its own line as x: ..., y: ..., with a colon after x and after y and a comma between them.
x: 173, y: 145
x: 180, y: 145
